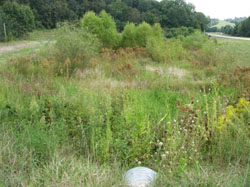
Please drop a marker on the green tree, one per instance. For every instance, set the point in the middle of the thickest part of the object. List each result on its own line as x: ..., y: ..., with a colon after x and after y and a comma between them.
x: 129, y: 36
x: 139, y: 36
x: 19, y: 20
x: 202, y: 21
x: 119, y: 10
x: 169, y: 13
x: 50, y: 12
x: 228, y: 29
x: 103, y: 26
x: 143, y: 32
x: 244, y: 28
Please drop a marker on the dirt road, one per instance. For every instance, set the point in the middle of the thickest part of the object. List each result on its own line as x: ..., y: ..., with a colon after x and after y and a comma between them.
x: 6, y: 48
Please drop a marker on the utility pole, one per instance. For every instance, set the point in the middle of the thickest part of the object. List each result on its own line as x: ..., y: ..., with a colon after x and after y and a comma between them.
x: 4, y: 29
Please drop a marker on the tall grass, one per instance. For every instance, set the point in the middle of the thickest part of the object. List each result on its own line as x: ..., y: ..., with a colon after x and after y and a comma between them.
x: 76, y: 117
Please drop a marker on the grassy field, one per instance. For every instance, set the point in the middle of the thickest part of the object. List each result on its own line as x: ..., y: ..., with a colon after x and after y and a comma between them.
x: 223, y: 23
x: 83, y: 120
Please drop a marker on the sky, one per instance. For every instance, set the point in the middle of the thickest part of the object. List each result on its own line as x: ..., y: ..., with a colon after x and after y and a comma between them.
x: 222, y: 9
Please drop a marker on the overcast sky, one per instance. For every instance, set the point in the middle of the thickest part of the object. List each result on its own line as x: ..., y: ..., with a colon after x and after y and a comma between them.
x: 222, y: 9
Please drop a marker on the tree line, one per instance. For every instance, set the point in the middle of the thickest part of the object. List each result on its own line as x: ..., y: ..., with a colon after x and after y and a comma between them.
x: 47, y: 13
x: 242, y: 27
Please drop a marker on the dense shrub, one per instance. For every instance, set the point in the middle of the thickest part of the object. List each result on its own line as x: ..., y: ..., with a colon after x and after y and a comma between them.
x: 194, y: 41
x: 129, y: 36
x: 19, y: 20
x: 175, y: 50
x: 103, y: 26
x: 143, y: 33
x: 74, y: 48
x: 147, y: 36
x: 180, y: 31
x: 228, y: 29
x: 139, y: 35
x: 156, y: 44
x: 212, y: 29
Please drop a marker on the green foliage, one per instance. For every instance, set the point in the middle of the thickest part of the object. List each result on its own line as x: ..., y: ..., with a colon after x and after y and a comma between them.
x: 129, y: 36
x: 178, y: 13
x: 202, y: 21
x: 236, y: 20
x: 194, y: 41
x: 223, y: 23
x: 143, y: 33
x: 49, y: 12
x: 169, y: 14
x: 156, y: 44
x: 146, y: 36
x: 139, y: 35
x: 228, y: 30
x: 127, y: 110
x: 233, y: 129
x: 180, y: 31
x: 123, y: 13
x: 103, y: 26
x: 19, y: 20
x: 73, y: 49
x: 243, y: 29
x: 175, y: 51
x: 213, y: 22
x: 212, y: 29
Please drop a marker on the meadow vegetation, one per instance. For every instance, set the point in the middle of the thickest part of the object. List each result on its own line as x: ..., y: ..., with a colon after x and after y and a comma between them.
x: 82, y: 111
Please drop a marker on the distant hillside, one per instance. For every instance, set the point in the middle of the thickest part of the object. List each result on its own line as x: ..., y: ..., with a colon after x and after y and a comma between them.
x: 218, y: 25
x: 223, y: 24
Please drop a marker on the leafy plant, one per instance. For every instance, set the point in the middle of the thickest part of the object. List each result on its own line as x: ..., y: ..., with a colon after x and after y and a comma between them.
x: 19, y: 20
x: 103, y: 26
x: 194, y: 41
x: 73, y: 49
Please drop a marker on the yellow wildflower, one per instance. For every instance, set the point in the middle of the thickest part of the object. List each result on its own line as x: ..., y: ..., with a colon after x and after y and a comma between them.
x: 229, y: 112
x: 242, y: 106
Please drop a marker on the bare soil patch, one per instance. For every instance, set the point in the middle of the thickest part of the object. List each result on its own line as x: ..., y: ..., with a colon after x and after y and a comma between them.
x: 18, y: 46
x: 172, y: 71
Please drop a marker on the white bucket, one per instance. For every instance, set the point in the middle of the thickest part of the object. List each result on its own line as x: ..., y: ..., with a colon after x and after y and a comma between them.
x: 139, y: 177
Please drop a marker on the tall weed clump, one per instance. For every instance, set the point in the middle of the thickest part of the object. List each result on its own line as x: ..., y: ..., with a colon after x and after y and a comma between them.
x: 194, y: 41
x: 73, y: 49
x: 175, y: 50
x: 103, y: 26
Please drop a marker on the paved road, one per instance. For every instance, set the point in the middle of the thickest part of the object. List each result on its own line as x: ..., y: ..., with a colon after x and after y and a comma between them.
x: 229, y: 37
